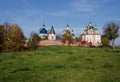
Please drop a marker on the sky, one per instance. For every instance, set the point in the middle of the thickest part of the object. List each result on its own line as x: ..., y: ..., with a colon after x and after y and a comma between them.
x: 31, y: 14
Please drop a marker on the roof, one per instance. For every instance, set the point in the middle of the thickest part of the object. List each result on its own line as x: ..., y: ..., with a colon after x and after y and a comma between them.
x: 43, y: 25
x: 43, y: 31
x: 90, y: 26
x: 52, y: 31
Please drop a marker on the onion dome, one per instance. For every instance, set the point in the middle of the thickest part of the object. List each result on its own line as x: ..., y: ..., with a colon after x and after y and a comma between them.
x: 90, y: 26
x: 67, y: 27
x: 43, y: 30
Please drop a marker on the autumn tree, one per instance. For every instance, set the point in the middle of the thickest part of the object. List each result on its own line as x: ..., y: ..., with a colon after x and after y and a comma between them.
x: 33, y: 41
x: 111, y: 31
x: 14, y: 38
x: 67, y: 37
x: 105, y: 41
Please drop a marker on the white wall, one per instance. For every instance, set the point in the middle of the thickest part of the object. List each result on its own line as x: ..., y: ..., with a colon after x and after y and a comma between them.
x: 51, y: 37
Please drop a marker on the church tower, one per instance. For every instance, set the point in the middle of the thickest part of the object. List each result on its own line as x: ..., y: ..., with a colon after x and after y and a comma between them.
x: 52, y: 35
x: 43, y: 33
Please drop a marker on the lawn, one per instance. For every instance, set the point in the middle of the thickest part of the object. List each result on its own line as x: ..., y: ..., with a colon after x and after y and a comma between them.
x: 61, y: 64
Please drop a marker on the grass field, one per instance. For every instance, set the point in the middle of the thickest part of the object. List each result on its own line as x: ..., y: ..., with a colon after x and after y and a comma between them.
x: 61, y: 64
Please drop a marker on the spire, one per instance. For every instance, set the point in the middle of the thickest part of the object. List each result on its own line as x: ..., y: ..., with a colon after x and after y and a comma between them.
x: 52, y: 31
x: 95, y: 27
x: 67, y: 27
x: 43, y: 25
x: 90, y: 23
x: 72, y: 31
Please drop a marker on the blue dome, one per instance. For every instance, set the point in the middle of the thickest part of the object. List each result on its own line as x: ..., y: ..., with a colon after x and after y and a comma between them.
x: 43, y: 31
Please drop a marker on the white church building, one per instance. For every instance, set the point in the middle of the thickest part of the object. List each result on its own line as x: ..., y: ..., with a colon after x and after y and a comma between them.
x: 91, y: 35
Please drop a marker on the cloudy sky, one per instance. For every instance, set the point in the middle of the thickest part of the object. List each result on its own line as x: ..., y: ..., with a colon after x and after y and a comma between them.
x: 31, y: 14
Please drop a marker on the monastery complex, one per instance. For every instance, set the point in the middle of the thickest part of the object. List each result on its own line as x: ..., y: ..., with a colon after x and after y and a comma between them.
x: 89, y: 37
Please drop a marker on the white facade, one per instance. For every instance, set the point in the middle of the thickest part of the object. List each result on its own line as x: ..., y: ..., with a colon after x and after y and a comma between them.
x: 91, y: 35
x: 43, y: 36
x: 51, y: 37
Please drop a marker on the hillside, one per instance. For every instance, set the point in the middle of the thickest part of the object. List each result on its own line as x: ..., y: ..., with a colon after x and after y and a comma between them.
x: 61, y: 64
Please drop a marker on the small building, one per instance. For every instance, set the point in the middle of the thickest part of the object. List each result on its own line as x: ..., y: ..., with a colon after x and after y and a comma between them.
x: 52, y: 35
x: 91, y: 36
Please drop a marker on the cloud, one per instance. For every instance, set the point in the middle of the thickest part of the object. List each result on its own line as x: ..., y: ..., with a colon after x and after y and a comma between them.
x: 82, y: 5
x: 60, y: 13
x: 87, y: 5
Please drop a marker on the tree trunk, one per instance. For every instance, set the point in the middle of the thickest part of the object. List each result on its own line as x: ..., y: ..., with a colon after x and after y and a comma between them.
x: 113, y: 46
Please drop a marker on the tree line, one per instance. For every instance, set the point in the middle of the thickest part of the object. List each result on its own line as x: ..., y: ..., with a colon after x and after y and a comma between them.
x: 12, y: 37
